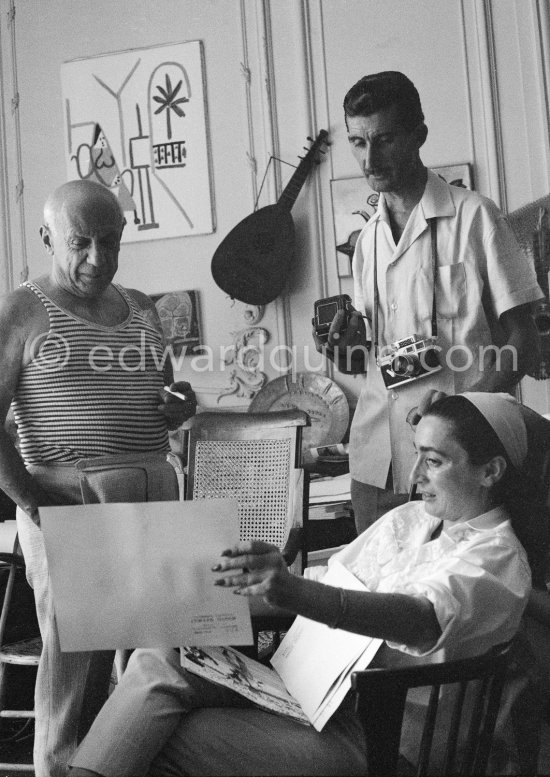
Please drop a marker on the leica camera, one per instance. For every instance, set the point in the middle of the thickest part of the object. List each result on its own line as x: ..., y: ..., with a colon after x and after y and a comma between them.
x: 409, y: 359
x: 324, y: 311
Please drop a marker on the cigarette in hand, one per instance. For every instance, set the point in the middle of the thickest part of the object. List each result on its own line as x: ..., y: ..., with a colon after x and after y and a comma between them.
x: 176, y: 393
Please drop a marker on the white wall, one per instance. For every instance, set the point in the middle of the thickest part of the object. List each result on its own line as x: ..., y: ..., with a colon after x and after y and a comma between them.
x: 480, y: 68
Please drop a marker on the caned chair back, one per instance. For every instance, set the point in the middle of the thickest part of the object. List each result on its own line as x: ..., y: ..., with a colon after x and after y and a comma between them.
x: 254, y: 458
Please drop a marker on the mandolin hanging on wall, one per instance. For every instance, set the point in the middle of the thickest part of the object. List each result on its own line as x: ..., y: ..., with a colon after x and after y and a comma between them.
x: 252, y: 263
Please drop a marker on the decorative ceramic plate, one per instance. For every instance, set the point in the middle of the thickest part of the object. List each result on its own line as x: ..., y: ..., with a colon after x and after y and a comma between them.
x: 318, y: 396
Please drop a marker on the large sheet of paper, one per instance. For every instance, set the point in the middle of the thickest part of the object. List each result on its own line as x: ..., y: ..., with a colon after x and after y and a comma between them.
x: 139, y: 575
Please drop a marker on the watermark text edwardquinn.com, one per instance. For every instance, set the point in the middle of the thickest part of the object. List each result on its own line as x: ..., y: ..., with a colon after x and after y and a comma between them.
x: 50, y: 352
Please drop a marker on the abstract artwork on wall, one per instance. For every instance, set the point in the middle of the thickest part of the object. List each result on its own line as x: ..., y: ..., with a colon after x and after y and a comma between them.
x: 180, y: 318
x: 136, y: 122
x: 354, y: 202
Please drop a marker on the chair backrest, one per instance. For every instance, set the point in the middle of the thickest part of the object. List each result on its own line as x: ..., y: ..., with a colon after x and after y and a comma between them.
x: 538, y: 446
x: 254, y: 458
x: 381, y: 696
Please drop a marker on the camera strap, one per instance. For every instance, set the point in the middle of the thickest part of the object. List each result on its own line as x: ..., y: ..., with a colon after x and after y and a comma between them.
x: 433, y: 230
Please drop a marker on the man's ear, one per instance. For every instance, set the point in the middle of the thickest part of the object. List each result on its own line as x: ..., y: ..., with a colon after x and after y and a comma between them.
x: 493, y: 471
x: 421, y: 132
x: 46, y: 238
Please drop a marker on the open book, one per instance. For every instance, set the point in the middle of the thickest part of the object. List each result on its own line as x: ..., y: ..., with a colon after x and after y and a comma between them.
x: 311, y: 669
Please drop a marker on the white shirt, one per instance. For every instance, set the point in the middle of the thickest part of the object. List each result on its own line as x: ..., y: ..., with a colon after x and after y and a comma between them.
x: 481, y: 274
x: 475, y: 574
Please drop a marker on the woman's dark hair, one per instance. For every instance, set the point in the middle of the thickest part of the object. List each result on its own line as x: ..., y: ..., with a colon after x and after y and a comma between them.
x: 382, y: 90
x: 523, y: 495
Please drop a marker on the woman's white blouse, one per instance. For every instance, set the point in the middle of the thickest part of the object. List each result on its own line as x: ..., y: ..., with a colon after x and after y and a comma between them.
x: 475, y: 574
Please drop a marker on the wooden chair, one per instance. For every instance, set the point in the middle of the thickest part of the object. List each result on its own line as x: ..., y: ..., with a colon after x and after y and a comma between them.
x: 538, y: 464
x: 24, y: 652
x: 381, y: 695
x: 381, y: 692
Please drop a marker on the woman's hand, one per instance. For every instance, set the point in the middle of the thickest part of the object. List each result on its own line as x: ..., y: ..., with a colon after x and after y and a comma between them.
x: 255, y: 568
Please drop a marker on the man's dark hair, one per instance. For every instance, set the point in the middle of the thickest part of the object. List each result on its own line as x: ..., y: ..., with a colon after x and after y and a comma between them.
x: 382, y: 90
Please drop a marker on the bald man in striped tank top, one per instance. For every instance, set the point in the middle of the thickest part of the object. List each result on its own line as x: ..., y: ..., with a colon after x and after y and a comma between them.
x: 83, y: 365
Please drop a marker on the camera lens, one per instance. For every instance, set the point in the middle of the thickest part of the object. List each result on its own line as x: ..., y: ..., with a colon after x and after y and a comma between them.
x: 405, y: 365
x: 430, y: 359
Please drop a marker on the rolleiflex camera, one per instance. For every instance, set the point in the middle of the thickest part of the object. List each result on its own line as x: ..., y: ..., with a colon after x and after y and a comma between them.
x: 409, y: 359
x: 324, y: 311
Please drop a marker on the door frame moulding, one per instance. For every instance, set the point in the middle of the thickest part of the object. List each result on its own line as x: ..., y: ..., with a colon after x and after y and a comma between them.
x: 265, y: 185
x: 480, y: 53
x: 12, y: 200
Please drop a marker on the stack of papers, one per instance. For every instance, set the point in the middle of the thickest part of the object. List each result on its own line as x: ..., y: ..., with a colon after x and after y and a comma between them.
x: 336, y: 452
x: 327, y: 490
x: 329, y: 510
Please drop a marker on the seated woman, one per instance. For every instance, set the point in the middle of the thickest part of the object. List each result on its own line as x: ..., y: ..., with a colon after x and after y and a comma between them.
x: 447, y: 578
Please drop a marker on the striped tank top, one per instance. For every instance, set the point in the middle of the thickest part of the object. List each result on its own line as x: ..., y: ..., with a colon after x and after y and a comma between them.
x: 91, y: 390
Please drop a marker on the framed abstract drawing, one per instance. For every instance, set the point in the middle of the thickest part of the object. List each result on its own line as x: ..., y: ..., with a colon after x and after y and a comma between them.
x: 135, y: 121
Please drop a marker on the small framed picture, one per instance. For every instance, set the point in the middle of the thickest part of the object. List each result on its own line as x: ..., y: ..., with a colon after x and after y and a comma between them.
x: 180, y: 317
x: 354, y: 203
x: 457, y: 175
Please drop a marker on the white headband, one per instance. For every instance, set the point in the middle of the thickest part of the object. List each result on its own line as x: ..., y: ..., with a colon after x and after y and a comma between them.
x: 504, y: 414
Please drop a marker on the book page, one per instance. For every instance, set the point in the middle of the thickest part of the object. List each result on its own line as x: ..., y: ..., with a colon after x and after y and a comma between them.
x: 256, y: 682
x: 335, y: 695
x: 313, y: 657
x: 140, y: 575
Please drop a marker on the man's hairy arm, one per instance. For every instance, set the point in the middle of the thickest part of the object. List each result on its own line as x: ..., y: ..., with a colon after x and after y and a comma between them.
x: 19, y: 327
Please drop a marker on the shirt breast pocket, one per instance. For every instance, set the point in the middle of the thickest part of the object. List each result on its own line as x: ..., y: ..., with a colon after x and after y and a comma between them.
x: 451, y: 290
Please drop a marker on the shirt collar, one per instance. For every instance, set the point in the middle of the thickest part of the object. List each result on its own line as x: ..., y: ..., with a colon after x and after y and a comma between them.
x: 484, y: 522
x: 437, y: 199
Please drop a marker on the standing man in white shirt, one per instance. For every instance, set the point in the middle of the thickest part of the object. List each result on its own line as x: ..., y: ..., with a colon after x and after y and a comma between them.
x: 435, y: 261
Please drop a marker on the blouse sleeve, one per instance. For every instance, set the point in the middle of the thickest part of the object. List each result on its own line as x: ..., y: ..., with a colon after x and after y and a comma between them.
x: 478, y: 593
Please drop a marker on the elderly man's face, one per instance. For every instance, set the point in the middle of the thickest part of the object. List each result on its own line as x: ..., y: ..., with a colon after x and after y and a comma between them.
x: 386, y: 152
x: 84, y: 241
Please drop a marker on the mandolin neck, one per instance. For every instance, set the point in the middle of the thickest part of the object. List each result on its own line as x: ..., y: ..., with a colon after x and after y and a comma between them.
x: 293, y: 187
